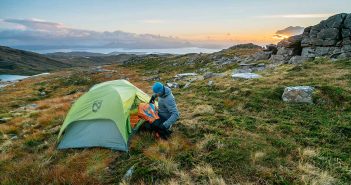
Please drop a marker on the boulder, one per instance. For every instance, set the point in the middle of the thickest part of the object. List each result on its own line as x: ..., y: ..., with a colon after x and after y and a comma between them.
x: 185, y: 75
x: 187, y: 85
x: 298, y: 60
x: 272, y: 48
x: 298, y: 94
x: 153, y: 78
x: 245, y: 76
x: 211, y: 75
x: 4, y: 120
x: 263, y: 55
x: 172, y: 85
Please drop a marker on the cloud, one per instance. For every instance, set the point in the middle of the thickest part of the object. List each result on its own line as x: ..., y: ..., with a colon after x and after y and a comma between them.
x: 291, y: 30
x: 35, y: 33
x: 298, y: 16
x: 287, y: 32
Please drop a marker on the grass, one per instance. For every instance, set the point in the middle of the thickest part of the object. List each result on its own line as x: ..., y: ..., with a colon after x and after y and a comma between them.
x: 232, y: 132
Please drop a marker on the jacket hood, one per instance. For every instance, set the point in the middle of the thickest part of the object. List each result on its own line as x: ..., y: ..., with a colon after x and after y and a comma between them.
x: 166, y: 92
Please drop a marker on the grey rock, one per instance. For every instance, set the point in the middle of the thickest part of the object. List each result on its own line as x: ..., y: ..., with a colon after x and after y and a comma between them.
x: 245, y: 76
x: 247, y: 70
x: 347, y: 22
x: 42, y: 93
x: 210, y: 83
x: 152, y: 78
x: 185, y: 75
x: 4, y: 120
x: 308, y: 52
x: 298, y: 94
x: 173, y: 85
x: 345, y: 33
x: 212, y: 75
x: 129, y: 173
x: 291, y: 42
x: 298, y: 60
x: 272, y: 48
x: 187, y: 85
x: 346, y: 48
x: 344, y: 55
x: 328, y: 33
x: 264, y: 55
x: 322, y: 51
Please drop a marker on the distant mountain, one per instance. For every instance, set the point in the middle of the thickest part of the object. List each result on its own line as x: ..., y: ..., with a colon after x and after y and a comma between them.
x: 14, y: 61
x: 75, y: 54
x: 86, y: 59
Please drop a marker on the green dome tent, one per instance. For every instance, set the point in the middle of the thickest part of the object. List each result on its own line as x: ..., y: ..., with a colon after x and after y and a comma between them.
x: 101, y: 117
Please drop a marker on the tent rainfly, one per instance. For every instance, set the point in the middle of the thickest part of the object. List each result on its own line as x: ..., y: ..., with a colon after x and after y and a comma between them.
x: 101, y: 117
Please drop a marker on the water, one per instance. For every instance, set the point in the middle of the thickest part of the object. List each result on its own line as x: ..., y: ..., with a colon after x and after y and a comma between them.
x: 135, y: 51
x: 12, y: 78
x: 6, y: 80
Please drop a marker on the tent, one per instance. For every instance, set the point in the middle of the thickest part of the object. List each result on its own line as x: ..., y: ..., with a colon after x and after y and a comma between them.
x: 101, y: 117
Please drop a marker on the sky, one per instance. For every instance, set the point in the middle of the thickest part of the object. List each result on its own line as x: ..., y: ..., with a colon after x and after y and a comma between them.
x: 179, y: 22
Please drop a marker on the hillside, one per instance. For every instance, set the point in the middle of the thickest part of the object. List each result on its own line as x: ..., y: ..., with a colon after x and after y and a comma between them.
x: 233, y: 131
x: 86, y: 59
x: 13, y: 61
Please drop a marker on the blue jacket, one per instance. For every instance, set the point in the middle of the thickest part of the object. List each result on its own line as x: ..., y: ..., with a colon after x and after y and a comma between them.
x: 167, y: 108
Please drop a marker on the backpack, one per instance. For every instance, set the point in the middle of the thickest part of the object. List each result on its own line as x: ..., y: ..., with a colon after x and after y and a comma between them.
x: 148, y: 112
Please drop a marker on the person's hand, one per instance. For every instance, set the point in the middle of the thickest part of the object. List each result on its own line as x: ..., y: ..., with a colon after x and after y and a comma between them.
x: 152, y: 100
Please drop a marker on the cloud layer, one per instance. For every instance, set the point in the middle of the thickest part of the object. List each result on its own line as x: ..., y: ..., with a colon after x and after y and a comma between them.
x: 39, y: 34
x: 289, y: 31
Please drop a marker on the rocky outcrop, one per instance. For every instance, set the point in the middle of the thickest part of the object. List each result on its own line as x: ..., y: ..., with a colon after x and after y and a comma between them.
x: 331, y: 38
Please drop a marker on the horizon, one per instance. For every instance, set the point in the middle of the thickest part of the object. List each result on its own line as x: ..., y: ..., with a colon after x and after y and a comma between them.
x: 156, y: 24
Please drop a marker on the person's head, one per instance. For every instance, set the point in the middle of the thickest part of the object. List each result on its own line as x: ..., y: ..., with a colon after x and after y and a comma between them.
x: 158, y: 88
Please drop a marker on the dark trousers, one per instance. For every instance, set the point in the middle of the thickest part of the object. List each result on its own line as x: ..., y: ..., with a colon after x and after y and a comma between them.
x: 157, y: 126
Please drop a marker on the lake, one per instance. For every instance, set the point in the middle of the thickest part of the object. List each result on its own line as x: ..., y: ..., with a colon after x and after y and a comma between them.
x: 12, y: 78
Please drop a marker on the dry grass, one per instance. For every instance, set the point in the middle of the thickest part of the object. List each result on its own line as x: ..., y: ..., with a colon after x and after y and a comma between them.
x: 203, y: 110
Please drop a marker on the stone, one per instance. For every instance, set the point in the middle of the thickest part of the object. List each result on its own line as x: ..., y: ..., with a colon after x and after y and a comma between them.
x: 4, y: 120
x: 42, y: 93
x: 322, y: 51
x: 308, y: 52
x: 173, y: 85
x: 298, y: 94
x: 245, y: 76
x: 328, y: 33
x: 210, y: 83
x: 185, y: 75
x: 212, y: 75
x: 346, y: 48
x: 291, y: 42
x: 152, y: 78
x: 298, y: 60
x: 265, y: 55
x: 187, y: 85
x: 335, y: 21
x: 345, y: 33
x: 129, y: 173
x: 272, y: 47
x: 347, y: 22
x: 247, y: 70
